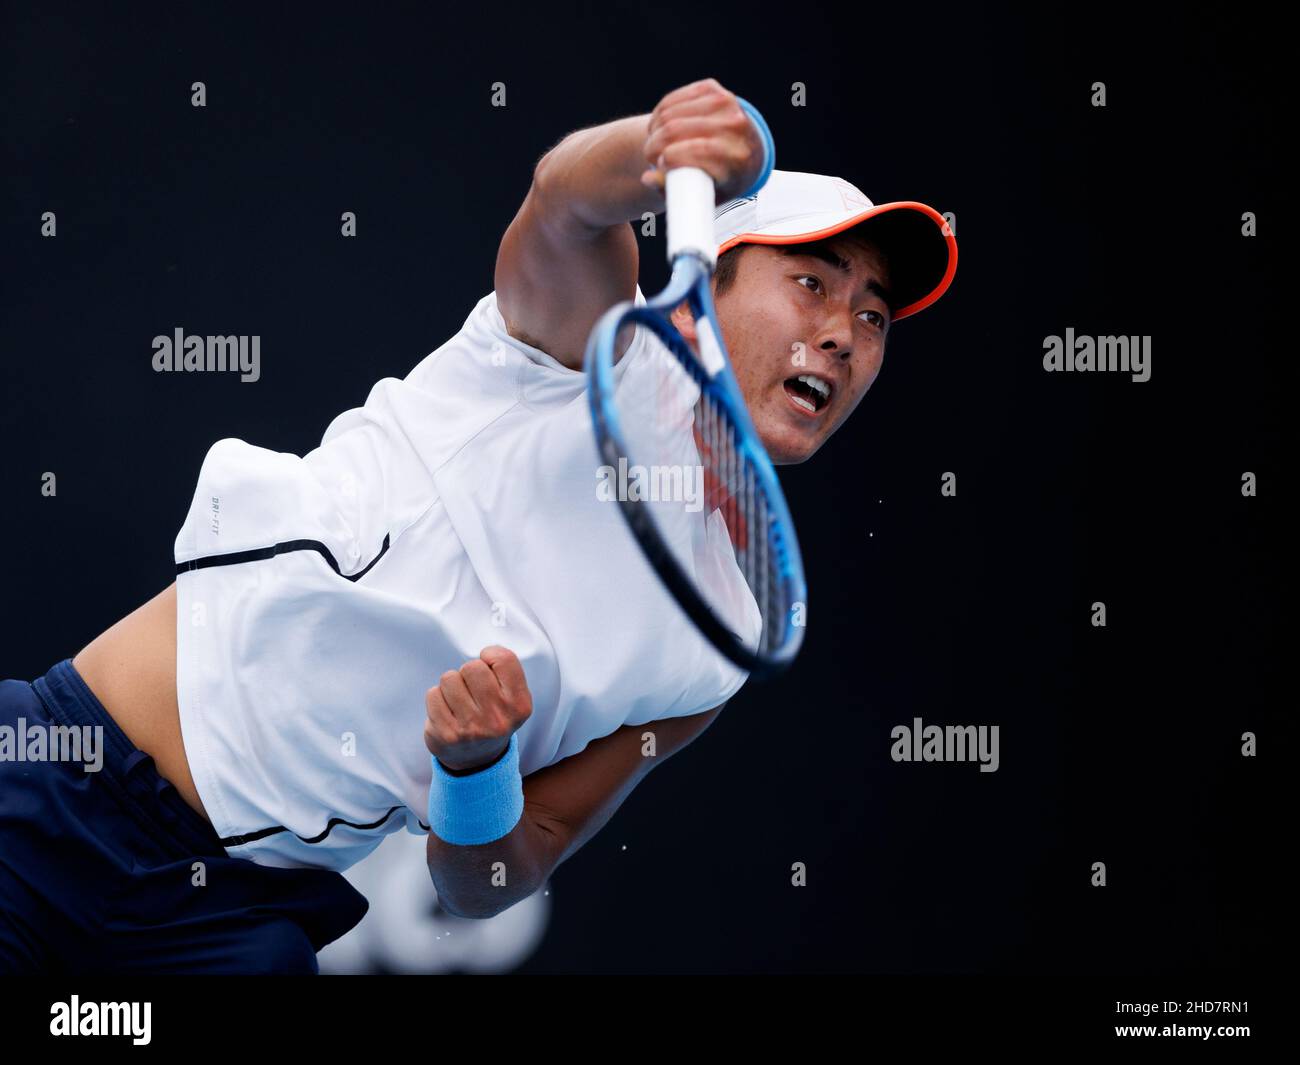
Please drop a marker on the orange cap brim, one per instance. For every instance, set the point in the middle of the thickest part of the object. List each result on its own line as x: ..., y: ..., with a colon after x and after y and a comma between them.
x: 945, y: 231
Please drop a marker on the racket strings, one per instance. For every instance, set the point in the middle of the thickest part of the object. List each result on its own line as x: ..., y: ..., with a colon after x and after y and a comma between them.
x: 733, y: 488
x: 677, y: 407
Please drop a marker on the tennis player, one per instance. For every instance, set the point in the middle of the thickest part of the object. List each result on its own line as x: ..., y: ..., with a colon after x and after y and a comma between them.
x: 260, y: 717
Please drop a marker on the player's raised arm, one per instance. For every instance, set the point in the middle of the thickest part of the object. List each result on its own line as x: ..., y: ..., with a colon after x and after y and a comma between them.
x: 570, y: 255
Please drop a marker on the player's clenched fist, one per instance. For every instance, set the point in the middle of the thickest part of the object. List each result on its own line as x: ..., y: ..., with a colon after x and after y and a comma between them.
x: 474, y: 710
x: 702, y: 125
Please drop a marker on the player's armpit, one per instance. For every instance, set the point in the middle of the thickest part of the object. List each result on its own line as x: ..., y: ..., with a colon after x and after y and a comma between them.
x: 574, y: 798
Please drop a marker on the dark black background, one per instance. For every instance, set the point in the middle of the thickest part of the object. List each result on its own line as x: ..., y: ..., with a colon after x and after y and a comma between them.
x: 1118, y: 745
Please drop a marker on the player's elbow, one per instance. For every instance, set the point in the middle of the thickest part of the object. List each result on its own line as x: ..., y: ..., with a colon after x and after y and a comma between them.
x: 477, y: 887
x: 486, y: 912
x: 554, y: 204
x: 467, y: 913
x: 483, y: 906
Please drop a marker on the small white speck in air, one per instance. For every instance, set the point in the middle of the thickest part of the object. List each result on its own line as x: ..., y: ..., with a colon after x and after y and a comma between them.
x: 625, y: 846
x: 871, y: 534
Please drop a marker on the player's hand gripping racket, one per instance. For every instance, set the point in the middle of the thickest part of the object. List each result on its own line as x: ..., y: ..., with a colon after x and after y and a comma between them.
x: 694, y: 481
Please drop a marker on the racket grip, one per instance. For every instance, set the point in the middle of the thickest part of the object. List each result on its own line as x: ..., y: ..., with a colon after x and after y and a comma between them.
x: 688, y: 197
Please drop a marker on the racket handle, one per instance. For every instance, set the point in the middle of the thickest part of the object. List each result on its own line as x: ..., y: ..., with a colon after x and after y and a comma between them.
x: 689, y: 196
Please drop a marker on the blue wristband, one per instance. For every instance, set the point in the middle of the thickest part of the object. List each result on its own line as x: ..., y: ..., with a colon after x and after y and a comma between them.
x: 479, y: 807
x: 769, y: 147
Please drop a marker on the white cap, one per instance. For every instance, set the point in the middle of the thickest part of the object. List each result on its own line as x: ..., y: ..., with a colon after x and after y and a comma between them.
x: 792, y: 207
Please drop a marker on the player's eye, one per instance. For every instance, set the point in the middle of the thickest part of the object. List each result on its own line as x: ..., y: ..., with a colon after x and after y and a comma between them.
x: 879, y: 321
x: 810, y: 277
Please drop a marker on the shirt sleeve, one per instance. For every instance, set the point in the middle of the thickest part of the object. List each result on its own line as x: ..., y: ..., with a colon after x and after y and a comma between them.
x: 252, y: 499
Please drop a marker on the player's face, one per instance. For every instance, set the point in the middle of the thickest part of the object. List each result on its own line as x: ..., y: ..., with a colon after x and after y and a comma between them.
x: 789, y: 313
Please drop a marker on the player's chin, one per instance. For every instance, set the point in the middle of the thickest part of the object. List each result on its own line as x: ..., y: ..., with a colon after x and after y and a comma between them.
x: 789, y: 445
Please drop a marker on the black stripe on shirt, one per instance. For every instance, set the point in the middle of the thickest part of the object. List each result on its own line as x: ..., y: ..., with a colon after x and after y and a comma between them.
x: 236, y: 558
x: 262, y: 833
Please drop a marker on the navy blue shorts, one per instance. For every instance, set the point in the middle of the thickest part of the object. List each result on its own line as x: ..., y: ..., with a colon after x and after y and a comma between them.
x: 98, y: 869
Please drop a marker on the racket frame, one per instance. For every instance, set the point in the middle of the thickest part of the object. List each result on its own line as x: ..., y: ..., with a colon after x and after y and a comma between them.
x: 711, y: 371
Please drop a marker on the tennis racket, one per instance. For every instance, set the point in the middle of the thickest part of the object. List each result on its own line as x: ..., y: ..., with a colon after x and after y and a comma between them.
x: 695, y: 483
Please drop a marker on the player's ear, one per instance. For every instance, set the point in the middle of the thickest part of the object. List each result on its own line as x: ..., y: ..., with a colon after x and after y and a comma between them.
x: 683, y: 322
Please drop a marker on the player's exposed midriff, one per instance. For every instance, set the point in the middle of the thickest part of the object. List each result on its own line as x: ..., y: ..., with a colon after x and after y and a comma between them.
x: 131, y: 668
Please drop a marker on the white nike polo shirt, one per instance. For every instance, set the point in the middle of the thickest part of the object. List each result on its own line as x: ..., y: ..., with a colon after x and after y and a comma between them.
x: 321, y: 596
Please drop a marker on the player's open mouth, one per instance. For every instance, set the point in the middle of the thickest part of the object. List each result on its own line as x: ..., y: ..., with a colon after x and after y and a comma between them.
x: 809, y: 393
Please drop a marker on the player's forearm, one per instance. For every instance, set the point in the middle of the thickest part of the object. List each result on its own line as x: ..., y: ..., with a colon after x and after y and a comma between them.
x: 591, y: 180
x: 483, y: 880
